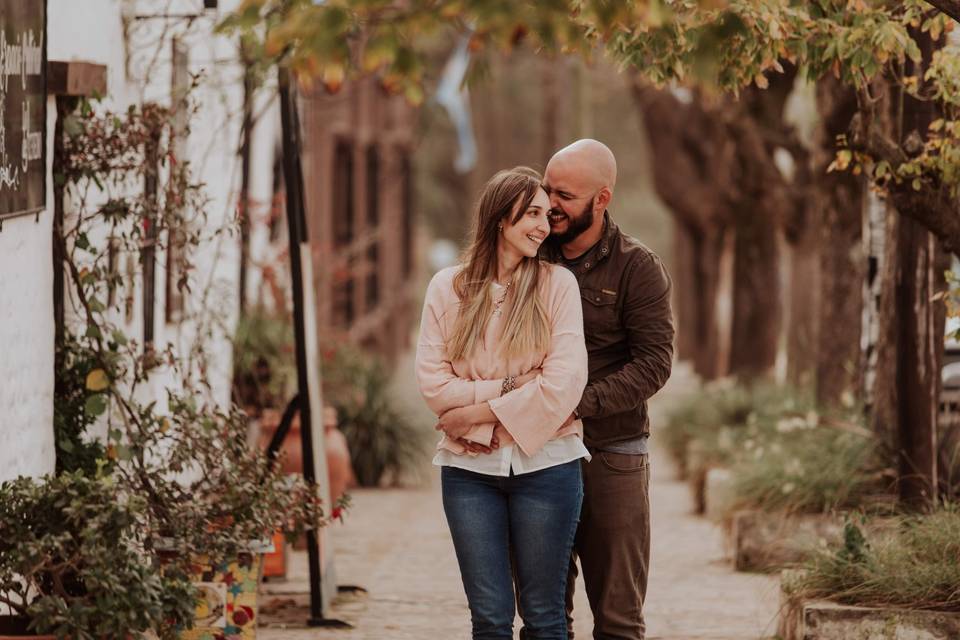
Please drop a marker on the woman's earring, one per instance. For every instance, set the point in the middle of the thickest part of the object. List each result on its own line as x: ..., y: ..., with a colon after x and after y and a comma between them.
x: 500, y: 227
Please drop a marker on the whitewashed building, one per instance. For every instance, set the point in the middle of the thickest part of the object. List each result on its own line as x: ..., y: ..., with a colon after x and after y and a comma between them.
x: 147, y: 51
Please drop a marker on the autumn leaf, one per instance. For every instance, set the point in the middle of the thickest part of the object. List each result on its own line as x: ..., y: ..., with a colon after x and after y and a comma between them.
x: 333, y: 75
x: 97, y: 380
x: 842, y: 161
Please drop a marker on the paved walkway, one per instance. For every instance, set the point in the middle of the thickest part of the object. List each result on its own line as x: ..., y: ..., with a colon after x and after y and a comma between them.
x: 395, y: 543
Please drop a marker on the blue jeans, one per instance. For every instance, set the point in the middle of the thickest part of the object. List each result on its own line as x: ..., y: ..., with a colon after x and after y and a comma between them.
x: 529, y: 518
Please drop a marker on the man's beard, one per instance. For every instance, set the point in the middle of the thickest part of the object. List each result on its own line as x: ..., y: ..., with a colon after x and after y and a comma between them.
x: 576, y: 225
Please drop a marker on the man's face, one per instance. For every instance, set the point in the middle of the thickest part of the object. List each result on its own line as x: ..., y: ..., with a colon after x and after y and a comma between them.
x: 571, y: 203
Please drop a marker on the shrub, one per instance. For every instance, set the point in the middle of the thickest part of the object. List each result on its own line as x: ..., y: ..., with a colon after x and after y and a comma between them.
x: 913, y: 565
x: 264, y: 364
x: 808, y: 469
x: 384, y: 442
x: 72, y: 561
x: 724, y: 415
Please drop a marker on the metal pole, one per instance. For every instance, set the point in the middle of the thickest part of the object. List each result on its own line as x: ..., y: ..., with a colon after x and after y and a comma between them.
x: 296, y: 225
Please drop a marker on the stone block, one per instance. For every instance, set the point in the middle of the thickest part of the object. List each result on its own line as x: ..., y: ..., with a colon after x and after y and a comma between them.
x: 763, y: 541
x: 718, y: 493
x: 821, y: 620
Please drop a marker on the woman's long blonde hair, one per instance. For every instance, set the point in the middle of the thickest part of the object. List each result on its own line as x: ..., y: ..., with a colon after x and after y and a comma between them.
x: 527, y: 329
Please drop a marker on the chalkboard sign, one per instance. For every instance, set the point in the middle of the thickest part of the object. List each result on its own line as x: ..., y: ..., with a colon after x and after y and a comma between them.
x: 23, y: 106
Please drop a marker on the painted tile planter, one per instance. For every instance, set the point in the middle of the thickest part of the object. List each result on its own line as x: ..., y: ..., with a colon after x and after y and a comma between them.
x: 820, y: 620
x: 227, y: 599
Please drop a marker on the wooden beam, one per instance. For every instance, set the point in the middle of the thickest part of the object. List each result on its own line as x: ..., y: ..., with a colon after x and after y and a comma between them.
x: 76, y: 78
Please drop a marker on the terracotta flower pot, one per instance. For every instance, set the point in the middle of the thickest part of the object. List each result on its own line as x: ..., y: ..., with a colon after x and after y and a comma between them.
x: 340, y: 473
x: 339, y: 468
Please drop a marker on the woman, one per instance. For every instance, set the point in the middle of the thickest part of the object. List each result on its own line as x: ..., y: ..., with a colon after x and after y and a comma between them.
x: 501, y: 359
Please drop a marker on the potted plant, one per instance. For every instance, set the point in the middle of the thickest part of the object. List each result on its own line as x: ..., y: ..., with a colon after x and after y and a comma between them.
x: 72, y: 562
x: 895, y: 581
x: 214, y: 516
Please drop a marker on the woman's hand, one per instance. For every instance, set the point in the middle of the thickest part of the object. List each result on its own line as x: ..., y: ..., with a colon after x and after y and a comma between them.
x: 456, y: 422
x: 529, y: 376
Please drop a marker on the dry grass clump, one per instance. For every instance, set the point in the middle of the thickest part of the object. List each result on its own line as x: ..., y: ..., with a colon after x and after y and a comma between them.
x: 915, y: 565
x: 812, y: 469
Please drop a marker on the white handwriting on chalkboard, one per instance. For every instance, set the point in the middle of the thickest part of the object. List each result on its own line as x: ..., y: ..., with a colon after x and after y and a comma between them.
x: 32, y: 141
x: 22, y: 58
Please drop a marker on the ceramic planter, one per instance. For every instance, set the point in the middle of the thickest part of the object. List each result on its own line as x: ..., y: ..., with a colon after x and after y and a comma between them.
x: 226, y: 599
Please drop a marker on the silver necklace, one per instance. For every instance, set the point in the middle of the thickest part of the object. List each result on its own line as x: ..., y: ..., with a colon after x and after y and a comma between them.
x: 499, y: 303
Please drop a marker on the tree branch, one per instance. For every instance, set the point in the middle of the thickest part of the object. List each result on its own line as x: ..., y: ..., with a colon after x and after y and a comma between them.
x: 949, y: 7
x: 932, y: 205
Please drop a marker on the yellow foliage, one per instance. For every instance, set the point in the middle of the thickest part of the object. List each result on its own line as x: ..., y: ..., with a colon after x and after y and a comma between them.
x: 97, y: 380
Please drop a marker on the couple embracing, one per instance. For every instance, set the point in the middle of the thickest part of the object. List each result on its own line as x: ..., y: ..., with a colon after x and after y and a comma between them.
x: 539, y: 353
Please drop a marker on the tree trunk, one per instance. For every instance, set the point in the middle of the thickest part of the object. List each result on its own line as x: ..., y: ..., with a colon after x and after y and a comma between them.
x: 763, y: 195
x: 910, y: 353
x: 885, y: 393
x: 920, y: 356
x: 693, y: 152
x: 756, y: 293
x: 840, y: 206
x: 686, y: 307
x: 804, y: 305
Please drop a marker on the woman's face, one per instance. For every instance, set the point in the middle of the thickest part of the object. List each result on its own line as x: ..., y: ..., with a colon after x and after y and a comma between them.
x: 526, y: 236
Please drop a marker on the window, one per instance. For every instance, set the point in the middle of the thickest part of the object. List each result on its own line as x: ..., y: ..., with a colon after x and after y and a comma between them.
x: 342, y: 298
x: 373, y: 228
x: 343, y: 194
x: 406, y: 181
x: 176, y: 271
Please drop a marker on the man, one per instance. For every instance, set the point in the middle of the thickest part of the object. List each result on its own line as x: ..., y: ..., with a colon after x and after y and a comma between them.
x: 628, y: 326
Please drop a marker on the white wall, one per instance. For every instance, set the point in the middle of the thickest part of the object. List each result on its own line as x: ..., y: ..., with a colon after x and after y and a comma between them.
x: 26, y: 346
x: 137, y: 54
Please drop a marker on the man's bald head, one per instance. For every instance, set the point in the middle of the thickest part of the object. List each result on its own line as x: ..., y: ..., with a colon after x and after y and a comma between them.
x: 592, y: 159
x: 579, y: 180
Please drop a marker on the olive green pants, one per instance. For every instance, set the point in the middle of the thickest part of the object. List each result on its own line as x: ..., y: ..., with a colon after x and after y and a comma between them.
x: 613, y: 544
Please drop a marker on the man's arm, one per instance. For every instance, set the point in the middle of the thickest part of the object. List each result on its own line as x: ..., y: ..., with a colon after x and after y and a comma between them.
x: 648, y: 320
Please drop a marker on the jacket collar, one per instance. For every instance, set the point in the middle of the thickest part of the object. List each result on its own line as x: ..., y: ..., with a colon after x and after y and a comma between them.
x: 596, y: 254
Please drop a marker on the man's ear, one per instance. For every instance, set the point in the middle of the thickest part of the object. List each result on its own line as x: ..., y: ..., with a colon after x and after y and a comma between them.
x: 604, y: 196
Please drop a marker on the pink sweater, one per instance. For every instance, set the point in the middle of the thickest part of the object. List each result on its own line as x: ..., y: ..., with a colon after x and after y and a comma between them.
x: 531, y: 414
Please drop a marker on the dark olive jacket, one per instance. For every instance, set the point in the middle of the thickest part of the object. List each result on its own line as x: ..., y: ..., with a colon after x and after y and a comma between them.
x: 628, y: 324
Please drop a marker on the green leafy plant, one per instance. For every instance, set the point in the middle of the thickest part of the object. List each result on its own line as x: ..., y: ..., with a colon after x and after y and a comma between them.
x: 810, y: 469
x: 174, y: 479
x: 913, y: 564
x: 783, y: 454
x: 75, y: 409
x: 384, y: 442
x: 72, y: 561
x: 264, y: 370
x: 718, y: 419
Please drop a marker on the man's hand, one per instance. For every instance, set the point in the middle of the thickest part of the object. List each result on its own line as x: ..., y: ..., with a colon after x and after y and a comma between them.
x: 456, y: 422
x: 476, y: 447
